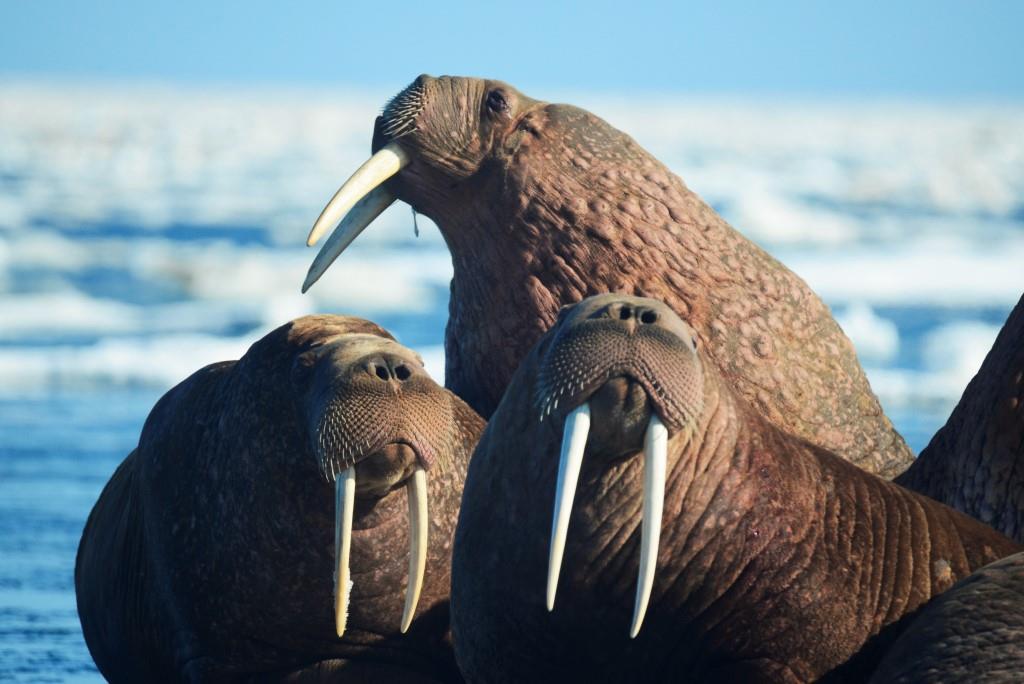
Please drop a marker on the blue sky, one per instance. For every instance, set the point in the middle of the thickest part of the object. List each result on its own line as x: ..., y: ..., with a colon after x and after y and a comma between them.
x: 933, y: 48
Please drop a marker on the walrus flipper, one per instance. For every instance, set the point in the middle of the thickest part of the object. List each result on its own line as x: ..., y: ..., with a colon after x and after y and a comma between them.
x: 975, y: 462
x: 108, y: 610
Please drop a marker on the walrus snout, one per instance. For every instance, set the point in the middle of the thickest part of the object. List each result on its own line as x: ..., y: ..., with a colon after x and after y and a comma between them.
x: 399, y: 115
x: 612, y: 335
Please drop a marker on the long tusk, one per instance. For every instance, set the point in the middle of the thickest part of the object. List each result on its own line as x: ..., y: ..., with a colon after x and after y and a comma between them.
x: 344, y: 503
x: 417, y: 493
x: 383, y: 165
x: 574, y: 441
x: 363, y: 214
x: 655, y: 457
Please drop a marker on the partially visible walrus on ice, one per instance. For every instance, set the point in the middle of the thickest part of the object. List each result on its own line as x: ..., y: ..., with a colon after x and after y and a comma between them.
x: 285, y: 516
x: 544, y: 204
x: 975, y: 462
x: 972, y: 633
x: 701, y: 543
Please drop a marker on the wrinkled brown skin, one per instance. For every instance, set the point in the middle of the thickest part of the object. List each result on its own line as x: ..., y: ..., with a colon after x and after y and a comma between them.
x: 975, y: 463
x: 544, y: 204
x: 972, y: 633
x: 210, y: 553
x: 779, y: 561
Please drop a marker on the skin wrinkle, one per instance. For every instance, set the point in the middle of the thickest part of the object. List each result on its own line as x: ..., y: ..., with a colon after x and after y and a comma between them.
x: 865, y: 577
x: 553, y: 198
x: 723, y: 602
x: 736, y: 591
x: 621, y: 569
x: 217, y: 584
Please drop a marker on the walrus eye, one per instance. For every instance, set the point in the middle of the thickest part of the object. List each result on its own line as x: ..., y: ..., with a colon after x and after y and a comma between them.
x: 496, y: 102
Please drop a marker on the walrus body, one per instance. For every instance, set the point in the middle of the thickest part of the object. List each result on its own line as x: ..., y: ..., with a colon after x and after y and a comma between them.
x: 209, y: 555
x: 544, y: 204
x: 778, y: 561
x: 975, y: 462
x: 972, y: 633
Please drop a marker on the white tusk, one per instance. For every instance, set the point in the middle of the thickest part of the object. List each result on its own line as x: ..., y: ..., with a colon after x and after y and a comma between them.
x: 655, y: 457
x: 574, y: 441
x: 363, y: 214
x: 383, y: 165
x: 344, y: 503
x: 417, y: 493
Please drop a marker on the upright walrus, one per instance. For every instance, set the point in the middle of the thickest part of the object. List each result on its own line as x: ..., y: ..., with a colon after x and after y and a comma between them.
x: 544, y: 204
x: 221, y: 549
x: 690, y: 539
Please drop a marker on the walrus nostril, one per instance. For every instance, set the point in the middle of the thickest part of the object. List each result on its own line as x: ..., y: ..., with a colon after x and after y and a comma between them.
x: 649, y: 317
x: 402, y: 372
x: 625, y: 313
x: 381, y: 372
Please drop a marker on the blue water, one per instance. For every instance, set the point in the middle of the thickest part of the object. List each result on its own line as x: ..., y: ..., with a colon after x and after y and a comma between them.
x: 58, y: 451
x: 143, y: 235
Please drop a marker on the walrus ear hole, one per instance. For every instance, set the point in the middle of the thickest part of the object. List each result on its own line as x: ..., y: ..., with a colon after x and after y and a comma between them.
x: 496, y: 102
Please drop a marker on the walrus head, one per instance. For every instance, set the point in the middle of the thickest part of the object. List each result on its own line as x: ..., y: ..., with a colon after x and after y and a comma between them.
x: 441, y: 134
x: 377, y: 422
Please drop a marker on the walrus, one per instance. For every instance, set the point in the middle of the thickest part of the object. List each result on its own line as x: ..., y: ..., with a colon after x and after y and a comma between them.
x: 544, y: 204
x: 975, y: 462
x: 217, y: 551
x: 972, y: 633
x: 690, y: 537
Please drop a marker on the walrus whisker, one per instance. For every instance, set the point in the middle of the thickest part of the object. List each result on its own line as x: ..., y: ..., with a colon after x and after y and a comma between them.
x: 355, y: 222
x: 416, y: 490
x: 344, y: 506
x: 574, y: 441
x: 384, y: 164
x: 399, y: 114
x: 655, y: 459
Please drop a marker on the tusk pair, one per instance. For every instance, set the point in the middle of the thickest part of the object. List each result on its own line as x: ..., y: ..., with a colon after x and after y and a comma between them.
x: 344, y: 504
x: 574, y: 442
x: 363, y: 193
